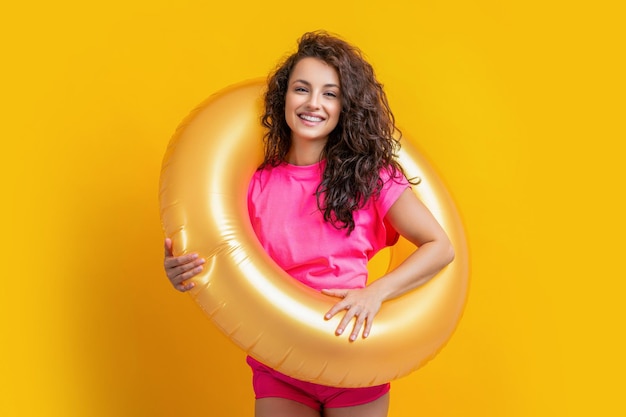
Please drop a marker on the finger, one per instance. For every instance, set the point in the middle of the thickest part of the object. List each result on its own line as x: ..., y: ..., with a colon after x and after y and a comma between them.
x: 185, y: 286
x: 186, y: 272
x: 340, y: 306
x: 168, y: 247
x: 341, y: 293
x: 335, y: 293
x: 351, y: 313
x: 368, y: 327
x: 358, y: 324
x: 180, y: 261
x: 176, y: 260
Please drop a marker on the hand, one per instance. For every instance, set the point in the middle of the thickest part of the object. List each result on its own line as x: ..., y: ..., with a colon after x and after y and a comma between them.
x: 362, y: 304
x: 180, y: 269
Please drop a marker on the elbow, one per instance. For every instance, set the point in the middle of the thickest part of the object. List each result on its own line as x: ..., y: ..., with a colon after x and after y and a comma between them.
x: 448, y: 254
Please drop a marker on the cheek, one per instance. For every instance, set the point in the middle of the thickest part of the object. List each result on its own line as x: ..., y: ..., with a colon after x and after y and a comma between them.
x: 337, y: 111
x: 291, y: 104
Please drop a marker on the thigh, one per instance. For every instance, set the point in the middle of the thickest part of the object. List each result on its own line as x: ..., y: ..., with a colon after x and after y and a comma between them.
x: 377, y: 408
x: 282, y: 407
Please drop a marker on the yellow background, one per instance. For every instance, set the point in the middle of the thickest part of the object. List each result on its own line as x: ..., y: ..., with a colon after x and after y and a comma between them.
x: 519, y: 105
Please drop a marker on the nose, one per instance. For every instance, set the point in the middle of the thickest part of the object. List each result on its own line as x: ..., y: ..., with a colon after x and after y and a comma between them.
x: 314, y: 101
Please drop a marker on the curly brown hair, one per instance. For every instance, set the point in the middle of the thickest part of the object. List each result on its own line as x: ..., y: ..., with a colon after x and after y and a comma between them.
x: 361, y: 144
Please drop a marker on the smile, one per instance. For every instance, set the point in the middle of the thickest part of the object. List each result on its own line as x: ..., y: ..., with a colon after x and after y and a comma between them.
x: 310, y: 118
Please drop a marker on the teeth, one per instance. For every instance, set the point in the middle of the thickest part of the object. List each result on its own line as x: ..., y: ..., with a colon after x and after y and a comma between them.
x: 311, y: 118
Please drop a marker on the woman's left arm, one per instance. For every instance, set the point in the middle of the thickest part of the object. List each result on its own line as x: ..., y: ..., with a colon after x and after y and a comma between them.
x: 410, y: 217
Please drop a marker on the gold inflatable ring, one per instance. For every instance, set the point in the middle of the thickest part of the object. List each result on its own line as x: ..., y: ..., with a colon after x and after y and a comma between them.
x: 274, y: 318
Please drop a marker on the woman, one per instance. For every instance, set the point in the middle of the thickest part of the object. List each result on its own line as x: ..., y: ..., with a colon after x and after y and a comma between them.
x: 328, y: 196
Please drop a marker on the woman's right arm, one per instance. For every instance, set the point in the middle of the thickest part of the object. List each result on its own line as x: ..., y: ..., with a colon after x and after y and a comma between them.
x: 179, y: 269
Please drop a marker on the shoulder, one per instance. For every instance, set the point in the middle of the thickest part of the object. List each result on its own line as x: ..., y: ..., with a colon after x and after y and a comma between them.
x: 392, y: 176
x: 393, y: 183
x: 264, y: 172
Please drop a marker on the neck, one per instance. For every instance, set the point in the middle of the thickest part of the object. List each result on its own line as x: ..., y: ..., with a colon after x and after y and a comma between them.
x: 305, y: 153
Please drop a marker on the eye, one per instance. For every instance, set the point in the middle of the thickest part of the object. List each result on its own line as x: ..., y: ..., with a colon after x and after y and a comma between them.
x: 331, y: 94
x: 300, y: 89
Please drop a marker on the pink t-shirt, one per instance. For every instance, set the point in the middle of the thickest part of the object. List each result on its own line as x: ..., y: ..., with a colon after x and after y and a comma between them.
x: 285, y: 217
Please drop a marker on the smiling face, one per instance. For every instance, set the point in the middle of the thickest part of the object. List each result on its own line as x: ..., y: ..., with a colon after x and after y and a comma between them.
x: 312, y: 102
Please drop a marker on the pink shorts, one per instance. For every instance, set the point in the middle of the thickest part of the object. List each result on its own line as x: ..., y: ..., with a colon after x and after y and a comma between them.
x: 270, y: 383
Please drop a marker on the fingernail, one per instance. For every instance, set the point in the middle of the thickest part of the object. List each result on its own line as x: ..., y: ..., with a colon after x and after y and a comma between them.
x: 194, y: 256
x: 327, y: 316
x: 339, y: 331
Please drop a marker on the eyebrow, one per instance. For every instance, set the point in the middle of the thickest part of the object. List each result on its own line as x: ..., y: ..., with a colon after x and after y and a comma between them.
x: 309, y: 84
